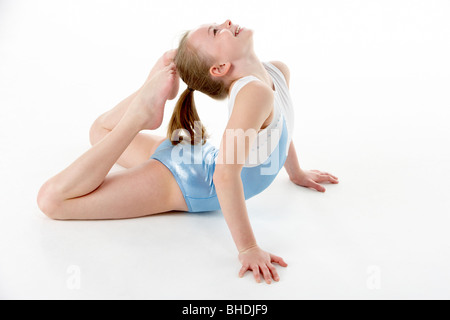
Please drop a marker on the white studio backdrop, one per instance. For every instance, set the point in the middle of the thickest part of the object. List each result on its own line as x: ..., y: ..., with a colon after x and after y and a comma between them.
x: 370, y: 81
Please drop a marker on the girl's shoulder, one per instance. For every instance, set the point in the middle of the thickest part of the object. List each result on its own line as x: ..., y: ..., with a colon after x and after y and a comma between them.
x: 247, y: 88
x: 253, y: 98
x: 283, y: 68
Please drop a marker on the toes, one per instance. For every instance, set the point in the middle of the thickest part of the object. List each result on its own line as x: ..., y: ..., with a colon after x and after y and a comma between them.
x: 169, y: 56
x: 171, y: 67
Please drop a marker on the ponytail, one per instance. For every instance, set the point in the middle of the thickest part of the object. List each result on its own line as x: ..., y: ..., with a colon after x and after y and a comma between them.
x: 193, y: 69
x: 185, y: 118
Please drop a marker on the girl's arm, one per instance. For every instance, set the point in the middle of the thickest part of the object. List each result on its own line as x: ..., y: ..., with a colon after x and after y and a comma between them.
x: 292, y: 165
x: 304, y: 178
x: 252, y: 107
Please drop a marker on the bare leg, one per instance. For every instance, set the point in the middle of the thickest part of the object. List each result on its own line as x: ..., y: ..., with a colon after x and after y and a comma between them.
x: 111, y: 118
x: 143, y: 145
x: 166, y: 59
x: 83, y: 179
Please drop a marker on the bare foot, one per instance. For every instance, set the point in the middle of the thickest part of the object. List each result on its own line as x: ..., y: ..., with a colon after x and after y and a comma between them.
x: 169, y: 56
x: 152, y: 97
x: 166, y: 59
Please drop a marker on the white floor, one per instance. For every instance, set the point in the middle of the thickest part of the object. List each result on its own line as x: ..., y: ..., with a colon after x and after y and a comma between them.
x: 371, y: 85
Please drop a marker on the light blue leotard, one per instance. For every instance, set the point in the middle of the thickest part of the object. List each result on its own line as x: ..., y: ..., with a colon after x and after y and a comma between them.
x: 193, y: 166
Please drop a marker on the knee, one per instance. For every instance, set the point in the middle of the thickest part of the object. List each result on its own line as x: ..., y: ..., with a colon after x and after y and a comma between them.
x: 49, y: 203
x: 97, y: 130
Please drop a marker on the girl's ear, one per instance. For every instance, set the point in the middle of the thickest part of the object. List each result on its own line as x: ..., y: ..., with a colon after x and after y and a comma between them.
x: 220, y: 70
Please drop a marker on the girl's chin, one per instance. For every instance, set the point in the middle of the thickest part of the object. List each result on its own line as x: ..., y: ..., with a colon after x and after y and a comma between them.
x: 246, y: 31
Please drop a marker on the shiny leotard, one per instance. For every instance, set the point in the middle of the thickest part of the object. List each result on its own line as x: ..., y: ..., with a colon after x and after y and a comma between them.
x: 193, y: 166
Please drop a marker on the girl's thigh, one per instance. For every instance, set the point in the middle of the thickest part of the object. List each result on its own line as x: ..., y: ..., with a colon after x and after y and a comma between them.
x: 143, y: 190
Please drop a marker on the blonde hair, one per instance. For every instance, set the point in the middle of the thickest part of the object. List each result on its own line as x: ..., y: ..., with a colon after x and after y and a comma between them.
x: 193, y: 69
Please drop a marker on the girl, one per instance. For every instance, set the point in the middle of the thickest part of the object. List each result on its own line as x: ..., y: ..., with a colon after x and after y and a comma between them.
x: 219, y: 61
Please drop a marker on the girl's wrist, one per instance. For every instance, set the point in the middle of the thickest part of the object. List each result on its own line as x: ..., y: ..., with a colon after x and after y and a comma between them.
x: 299, y: 174
x: 250, y: 247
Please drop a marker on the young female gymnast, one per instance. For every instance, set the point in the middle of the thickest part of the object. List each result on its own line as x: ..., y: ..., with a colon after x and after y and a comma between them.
x: 219, y: 61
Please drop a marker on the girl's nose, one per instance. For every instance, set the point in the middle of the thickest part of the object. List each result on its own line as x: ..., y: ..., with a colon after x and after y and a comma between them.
x: 228, y: 23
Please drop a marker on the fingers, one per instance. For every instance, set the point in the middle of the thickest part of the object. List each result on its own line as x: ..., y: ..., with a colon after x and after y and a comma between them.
x: 321, y: 177
x: 333, y: 180
x: 266, y: 274
x: 332, y: 175
x: 279, y: 260
x: 256, y: 274
x: 268, y: 271
x: 316, y: 186
x: 327, y: 175
x: 254, y: 268
x: 274, y: 272
x: 326, y: 178
x: 260, y: 263
x: 243, y: 271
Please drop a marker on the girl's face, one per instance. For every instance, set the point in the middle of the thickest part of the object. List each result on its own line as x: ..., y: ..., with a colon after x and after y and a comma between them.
x: 226, y: 42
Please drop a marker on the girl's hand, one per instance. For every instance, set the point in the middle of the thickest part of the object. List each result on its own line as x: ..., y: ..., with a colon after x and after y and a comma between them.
x: 312, y: 178
x: 259, y: 262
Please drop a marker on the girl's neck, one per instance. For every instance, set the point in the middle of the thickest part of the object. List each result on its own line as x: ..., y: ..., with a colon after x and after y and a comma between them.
x: 250, y: 66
